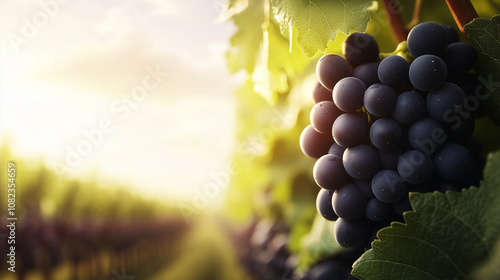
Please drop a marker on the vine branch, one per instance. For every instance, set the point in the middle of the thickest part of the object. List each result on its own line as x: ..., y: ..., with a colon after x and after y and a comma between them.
x: 416, y: 15
x: 463, y: 12
x: 393, y: 11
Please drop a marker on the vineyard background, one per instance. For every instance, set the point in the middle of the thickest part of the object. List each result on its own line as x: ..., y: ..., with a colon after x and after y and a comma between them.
x: 206, y: 179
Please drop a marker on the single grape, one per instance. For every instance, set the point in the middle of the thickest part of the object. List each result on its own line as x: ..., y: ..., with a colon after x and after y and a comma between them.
x: 365, y: 186
x: 386, y: 134
x: 451, y: 34
x: 351, y: 233
x: 320, y: 93
x: 348, y: 94
x: 393, y: 71
x: 428, y: 72
x: 459, y: 58
x: 360, y: 48
x: 322, y: 116
x: 350, y: 129
x: 453, y: 162
x: 360, y: 162
x: 368, y: 73
x: 389, y: 158
x: 329, y: 172
x: 427, y: 38
x: 427, y: 135
x: 388, y: 186
x: 331, y: 68
x: 324, y: 205
x: 410, y: 107
x: 337, y: 150
x: 377, y: 210
x: 380, y: 100
x: 313, y: 143
x: 446, y: 102
x: 349, y: 202
x: 415, y: 167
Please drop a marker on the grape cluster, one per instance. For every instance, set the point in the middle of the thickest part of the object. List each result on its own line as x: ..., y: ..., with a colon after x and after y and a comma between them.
x: 382, y: 128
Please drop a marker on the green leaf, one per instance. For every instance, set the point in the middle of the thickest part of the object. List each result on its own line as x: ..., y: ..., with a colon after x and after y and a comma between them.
x: 484, y: 36
x: 446, y: 236
x: 259, y: 48
x: 490, y: 269
x: 318, y: 21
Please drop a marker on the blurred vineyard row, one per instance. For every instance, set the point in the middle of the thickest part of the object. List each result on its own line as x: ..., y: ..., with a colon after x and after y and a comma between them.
x: 73, y: 229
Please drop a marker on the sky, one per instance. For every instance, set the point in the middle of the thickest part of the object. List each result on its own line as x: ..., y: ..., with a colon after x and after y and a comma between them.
x: 133, y: 91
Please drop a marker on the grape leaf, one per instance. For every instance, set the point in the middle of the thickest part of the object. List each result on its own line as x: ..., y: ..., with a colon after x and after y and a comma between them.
x: 258, y: 47
x: 318, y: 21
x: 490, y: 269
x: 446, y: 236
x: 484, y: 36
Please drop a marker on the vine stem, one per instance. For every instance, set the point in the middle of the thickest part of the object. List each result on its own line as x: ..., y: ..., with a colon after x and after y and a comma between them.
x: 393, y: 12
x: 416, y: 15
x: 463, y: 12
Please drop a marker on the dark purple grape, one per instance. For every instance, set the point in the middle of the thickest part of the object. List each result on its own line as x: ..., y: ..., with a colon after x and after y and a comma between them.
x: 322, y: 116
x: 313, y: 143
x: 348, y: 94
x: 361, y: 162
x: 368, y: 73
x: 459, y: 58
x: 415, y: 167
x: 446, y: 103
x: 365, y: 186
x: 324, y: 205
x: 451, y: 34
x: 380, y: 100
x: 377, y: 210
x: 428, y: 72
x: 427, y: 135
x: 349, y: 202
x: 331, y: 68
x: 393, y: 71
x: 360, y: 48
x: 388, y: 186
x: 427, y: 38
x: 386, y: 134
x: 453, y: 162
x: 337, y: 150
x: 351, y: 233
x: 410, y: 107
x: 320, y: 93
x: 350, y: 129
x: 329, y: 172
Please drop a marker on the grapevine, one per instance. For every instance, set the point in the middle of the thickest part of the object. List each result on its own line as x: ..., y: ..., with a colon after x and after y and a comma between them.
x: 389, y: 133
